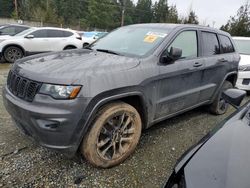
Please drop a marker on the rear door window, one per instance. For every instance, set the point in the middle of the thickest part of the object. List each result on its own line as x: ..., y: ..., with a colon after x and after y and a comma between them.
x: 226, y: 44
x: 67, y: 33
x: 187, y: 42
x: 210, y: 44
x: 55, y: 33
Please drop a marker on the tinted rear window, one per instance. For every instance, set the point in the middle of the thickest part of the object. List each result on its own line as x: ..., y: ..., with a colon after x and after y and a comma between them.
x: 210, y: 44
x: 226, y: 44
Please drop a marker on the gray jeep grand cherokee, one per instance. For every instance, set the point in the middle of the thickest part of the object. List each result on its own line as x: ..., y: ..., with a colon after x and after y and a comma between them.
x: 97, y: 100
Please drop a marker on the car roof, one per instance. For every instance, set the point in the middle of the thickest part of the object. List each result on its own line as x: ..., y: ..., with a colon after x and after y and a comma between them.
x: 54, y: 28
x: 171, y: 26
x: 241, y: 38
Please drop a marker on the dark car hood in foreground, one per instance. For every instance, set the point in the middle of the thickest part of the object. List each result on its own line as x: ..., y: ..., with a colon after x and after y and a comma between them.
x: 224, y: 160
x: 68, y: 67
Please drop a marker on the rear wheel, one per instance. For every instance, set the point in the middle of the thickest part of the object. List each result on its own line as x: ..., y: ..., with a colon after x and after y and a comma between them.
x: 220, y: 106
x: 12, y: 53
x: 114, y: 135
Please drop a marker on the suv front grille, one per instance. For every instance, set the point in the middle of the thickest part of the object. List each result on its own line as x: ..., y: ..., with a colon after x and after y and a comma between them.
x: 22, y: 87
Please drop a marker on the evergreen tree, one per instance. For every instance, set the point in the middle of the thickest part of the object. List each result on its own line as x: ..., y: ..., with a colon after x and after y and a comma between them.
x: 6, y: 8
x: 192, y: 18
x: 144, y: 11
x: 172, y: 16
x: 239, y: 25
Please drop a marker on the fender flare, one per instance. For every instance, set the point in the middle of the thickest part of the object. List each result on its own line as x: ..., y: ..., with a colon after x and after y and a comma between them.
x: 96, y: 103
x: 13, y: 44
x: 221, y: 84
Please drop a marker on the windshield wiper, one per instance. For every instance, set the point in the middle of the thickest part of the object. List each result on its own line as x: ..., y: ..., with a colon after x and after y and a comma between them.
x: 108, y: 51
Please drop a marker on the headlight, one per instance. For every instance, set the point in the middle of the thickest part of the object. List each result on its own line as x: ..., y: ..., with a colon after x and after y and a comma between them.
x: 60, y: 91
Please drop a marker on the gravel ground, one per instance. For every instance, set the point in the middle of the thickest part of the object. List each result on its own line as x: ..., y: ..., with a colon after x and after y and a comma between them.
x: 25, y: 164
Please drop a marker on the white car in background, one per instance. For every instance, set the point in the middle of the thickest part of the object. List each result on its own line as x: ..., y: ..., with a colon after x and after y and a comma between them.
x: 38, y: 40
x: 90, y: 37
x: 243, y: 45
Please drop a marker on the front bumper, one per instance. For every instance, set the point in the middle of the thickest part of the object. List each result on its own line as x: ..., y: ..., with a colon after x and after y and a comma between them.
x: 243, y: 81
x: 55, y: 124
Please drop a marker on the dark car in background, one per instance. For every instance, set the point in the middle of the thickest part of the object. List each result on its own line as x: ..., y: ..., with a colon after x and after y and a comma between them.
x: 12, y: 29
x: 98, y: 100
x: 222, y: 158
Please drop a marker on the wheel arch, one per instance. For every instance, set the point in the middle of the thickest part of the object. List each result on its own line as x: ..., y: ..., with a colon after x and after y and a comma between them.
x: 231, y: 77
x: 70, y: 45
x: 135, y: 99
x: 16, y: 45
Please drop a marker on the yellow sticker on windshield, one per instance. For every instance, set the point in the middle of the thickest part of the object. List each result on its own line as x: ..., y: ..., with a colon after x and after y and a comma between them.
x: 150, y: 38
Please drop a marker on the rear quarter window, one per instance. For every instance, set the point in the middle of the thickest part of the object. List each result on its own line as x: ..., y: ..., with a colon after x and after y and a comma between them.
x: 226, y: 44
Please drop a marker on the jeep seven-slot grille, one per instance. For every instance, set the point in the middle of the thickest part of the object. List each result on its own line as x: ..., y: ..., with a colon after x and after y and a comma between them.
x: 22, y: 87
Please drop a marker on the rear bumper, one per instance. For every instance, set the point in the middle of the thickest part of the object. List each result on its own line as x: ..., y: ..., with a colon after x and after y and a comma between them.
x: 241, y: 81
x: 55, y: 124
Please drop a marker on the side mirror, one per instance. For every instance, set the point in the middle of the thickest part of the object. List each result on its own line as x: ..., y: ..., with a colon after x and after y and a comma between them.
x: 173, y: 55
x: 234, y: 97
x: 29, y: 36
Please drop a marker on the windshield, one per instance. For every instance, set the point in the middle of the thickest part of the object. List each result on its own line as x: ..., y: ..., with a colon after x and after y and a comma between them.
x: 243, y: 46
x: 25, y: 32
x: 131, y: 40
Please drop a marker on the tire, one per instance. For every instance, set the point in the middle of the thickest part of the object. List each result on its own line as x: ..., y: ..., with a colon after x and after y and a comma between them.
x: 220, y: 106
x: 114, y: 135
x: 12, y: 53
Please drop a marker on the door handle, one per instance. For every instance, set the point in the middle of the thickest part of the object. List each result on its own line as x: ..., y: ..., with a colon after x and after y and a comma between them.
x: 222, y: 60
x: 197, y: 64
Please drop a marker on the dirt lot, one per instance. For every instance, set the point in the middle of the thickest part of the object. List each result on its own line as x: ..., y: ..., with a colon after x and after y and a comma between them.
x: 25, y: 164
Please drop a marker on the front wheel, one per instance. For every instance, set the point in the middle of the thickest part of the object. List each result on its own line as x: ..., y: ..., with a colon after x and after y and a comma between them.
x: 220, y: 106
x: 12, y: 53
x: 114, y: 135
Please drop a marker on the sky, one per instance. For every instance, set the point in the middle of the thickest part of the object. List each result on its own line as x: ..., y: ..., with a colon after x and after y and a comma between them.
x: 213, y: 12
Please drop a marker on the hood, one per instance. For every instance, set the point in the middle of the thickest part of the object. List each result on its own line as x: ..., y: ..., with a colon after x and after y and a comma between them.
x: 224, y: 160
x: 245, y: 59
x: 70, y: 66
